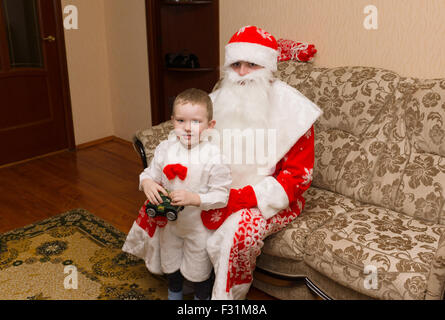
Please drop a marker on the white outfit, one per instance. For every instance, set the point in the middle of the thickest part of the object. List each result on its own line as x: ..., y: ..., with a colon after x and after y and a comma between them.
x: 183, y: 242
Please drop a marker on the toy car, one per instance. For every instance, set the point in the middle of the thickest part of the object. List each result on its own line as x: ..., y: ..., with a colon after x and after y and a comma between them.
x: 165, y: 209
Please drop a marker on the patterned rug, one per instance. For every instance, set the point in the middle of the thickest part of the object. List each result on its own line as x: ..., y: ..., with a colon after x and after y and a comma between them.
x: 73, y: 256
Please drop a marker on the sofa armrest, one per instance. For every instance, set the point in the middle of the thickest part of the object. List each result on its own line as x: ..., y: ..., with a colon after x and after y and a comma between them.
x: 139, y: 147
x: 146, y: 141
x: 436, y: 281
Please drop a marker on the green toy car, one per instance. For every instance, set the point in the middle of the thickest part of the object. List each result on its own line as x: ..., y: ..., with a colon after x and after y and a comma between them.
x: 165, y: 209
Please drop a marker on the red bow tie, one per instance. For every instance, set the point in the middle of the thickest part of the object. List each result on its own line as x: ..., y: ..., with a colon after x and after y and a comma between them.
x: 173, y: 170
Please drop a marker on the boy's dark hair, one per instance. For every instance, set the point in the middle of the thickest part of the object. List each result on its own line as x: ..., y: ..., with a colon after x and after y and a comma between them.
x: 195, y: 96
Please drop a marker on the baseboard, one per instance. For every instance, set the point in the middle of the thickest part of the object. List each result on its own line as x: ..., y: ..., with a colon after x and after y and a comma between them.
x: 117, y: 139
x: 102, y: 140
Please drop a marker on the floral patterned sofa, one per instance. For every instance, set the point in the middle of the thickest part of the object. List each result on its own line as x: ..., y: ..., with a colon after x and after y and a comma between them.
x: 374, y: 222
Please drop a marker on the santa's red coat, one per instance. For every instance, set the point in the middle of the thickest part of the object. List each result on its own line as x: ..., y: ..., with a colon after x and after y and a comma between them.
x: 294, y: 173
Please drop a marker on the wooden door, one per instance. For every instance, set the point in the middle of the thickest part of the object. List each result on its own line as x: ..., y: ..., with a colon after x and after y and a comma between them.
x: 35, y: 112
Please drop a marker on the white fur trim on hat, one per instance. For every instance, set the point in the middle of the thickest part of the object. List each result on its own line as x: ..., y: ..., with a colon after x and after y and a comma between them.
x: 251, y: 52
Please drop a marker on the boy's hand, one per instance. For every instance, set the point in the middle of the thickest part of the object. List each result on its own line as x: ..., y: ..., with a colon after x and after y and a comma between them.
x: 152, y: 189
x: 185, y: 198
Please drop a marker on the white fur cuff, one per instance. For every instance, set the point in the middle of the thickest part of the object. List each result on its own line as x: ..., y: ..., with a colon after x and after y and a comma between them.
x: 271, y: 197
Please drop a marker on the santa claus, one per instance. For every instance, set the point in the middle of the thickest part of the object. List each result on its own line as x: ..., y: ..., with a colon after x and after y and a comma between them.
x: 265, y: 130
x: 267, y: 191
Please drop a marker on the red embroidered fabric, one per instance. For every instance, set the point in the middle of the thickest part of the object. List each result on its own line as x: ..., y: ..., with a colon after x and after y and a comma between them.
x: 238, y: 199
x: 147, y: 223
x: 294, y: 173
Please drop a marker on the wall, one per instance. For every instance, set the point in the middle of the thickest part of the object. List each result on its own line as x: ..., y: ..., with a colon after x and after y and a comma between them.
x: 107, y: 56
x: 108, y: 69
x: 410, y: 38
x: 126, y: 35
x: 88, y: 72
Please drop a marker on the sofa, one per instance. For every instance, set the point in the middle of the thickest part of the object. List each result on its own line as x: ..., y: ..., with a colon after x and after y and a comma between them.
x: 374, y: 222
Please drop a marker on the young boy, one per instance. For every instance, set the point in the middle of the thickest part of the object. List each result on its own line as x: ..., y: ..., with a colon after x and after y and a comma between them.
x: 194, y: 172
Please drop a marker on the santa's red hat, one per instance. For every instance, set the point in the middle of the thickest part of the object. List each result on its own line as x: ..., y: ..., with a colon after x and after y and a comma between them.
x: 252, y: 44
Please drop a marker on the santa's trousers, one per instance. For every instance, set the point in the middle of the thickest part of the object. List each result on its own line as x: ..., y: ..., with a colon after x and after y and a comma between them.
x: 235, y: 246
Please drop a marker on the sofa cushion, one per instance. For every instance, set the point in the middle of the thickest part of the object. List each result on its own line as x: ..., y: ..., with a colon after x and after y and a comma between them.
x: 425, y: 112
x: 331, y: 148
x: 352, y: 97
x: 355, y: 133
x: 321, y: 206
x: 421, y: 193
x: 401, y: 248
x: 301, y: 76
x: 365, y: 168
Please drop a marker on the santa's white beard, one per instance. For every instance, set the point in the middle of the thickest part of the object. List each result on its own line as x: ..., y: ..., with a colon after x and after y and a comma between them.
x: 243, y: 101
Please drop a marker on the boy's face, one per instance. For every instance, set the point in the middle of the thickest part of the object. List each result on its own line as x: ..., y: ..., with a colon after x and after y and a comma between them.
x: 189, y: 121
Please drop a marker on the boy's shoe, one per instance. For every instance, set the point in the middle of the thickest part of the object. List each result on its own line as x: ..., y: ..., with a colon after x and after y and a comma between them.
x: 175, y: 295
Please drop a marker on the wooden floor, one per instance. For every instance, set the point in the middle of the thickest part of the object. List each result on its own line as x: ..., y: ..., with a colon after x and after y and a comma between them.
x: 102, y: 179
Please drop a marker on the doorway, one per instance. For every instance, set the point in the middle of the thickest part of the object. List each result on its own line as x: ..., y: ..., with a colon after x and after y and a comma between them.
x: 35, y: 107
x: 181, y: 29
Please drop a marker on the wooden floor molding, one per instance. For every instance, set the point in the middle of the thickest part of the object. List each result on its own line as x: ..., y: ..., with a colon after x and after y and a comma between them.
x: 102, y: 140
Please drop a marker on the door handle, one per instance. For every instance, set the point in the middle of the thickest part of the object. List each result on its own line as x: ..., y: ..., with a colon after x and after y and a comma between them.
x: 50, y: 38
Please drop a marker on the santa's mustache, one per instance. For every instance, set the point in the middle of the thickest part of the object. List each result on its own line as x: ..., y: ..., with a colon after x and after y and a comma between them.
x: 259, y: 76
